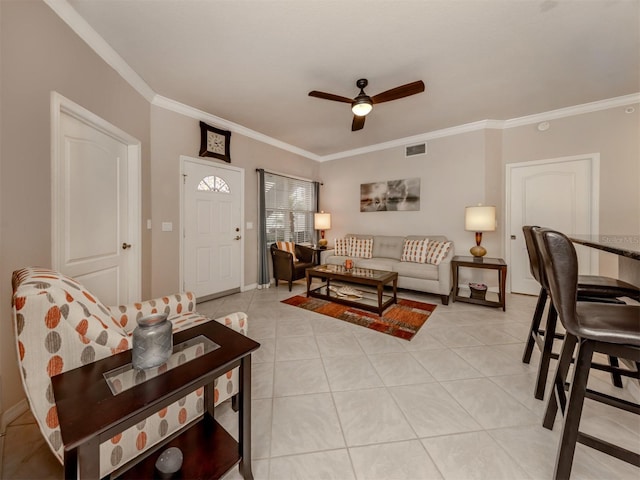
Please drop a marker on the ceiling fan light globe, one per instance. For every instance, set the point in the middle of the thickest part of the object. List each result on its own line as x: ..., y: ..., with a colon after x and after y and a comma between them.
x: 361, y: 107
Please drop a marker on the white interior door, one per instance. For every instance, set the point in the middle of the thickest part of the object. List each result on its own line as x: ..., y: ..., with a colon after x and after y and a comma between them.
x: 561, y: 194
x: 212, y: 243
x: 96, y: 220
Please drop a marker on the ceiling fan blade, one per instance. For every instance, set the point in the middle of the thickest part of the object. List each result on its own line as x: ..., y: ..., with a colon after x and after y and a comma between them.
x: 358, y: 123
x: 330, y: 96
x: 399, y: 92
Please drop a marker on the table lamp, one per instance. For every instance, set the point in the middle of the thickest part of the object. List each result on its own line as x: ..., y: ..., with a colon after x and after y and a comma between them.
x: 322, y: 222
x: 479, y: 219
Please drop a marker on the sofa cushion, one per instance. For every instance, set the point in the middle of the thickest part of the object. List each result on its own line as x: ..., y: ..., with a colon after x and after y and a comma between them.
x: 431, y: 238
x: 336, y: 259
x: 361, y: 247
x: 415, y: 251
x: 436, y: 251
x: 417, y: 270
x: 387, y: 264
x: 388, y: 246
x: 343, y: 246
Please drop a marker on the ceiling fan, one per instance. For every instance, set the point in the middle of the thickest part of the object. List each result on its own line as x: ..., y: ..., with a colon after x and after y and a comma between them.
x: 363, y: 103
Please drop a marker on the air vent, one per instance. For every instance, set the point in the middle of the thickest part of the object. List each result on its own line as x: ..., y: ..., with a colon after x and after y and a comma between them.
x: 413, y: 150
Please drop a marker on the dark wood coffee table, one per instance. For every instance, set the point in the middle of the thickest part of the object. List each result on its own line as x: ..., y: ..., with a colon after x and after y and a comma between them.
x: 90, y: 414
x: 354, y: 276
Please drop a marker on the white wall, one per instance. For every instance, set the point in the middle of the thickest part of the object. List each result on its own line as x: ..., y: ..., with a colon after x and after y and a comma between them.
x: 613, y: 134
x: 452, y: 176
x: 469, y: 168
x: 172, y: 135
x: 40, y: 53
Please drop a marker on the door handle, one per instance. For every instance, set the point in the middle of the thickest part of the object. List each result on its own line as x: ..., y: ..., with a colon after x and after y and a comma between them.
x: 238, y: 237
x: 126, y: 245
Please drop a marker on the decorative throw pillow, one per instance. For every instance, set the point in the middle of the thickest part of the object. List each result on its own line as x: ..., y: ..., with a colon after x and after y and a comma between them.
x: 436, y: 251
x: 288, y: 247
x: 415, y: 251
x: 362, y: 247
x: 343, y: 246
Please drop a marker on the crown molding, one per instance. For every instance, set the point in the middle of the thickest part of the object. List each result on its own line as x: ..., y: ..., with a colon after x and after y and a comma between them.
x: 423, y: 137
x: 92, y: 38
x: 186, y: 110
x: 80, y: 26
x: 573, y: 110
x: 493, y: 124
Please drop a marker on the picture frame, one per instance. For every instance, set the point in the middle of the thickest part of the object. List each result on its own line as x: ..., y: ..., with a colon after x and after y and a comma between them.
x: 392, y: 195
x: 215, y: 142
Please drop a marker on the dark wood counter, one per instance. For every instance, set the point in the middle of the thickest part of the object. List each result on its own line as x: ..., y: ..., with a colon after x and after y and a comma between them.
x: 623, y: 245
x: 627, y: 247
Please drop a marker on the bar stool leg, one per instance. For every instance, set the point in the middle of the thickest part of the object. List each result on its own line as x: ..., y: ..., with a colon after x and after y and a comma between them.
x: 569, y: 436
x: 545, y: 358
x: 559, y: 379
x: 616, y: 378
x: 535, y: 326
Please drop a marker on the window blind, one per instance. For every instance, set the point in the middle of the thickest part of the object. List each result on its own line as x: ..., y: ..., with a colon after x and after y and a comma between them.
x: 289, y: 207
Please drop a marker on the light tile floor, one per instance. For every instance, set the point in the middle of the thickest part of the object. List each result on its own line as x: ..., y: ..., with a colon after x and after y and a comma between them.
x: 337, y: 401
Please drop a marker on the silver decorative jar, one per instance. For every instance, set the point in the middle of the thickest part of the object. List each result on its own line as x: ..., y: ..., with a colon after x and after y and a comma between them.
x: 152, y: 341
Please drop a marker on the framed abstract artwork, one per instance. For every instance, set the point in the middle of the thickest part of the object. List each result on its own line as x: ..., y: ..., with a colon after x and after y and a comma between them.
x: 392, y: 195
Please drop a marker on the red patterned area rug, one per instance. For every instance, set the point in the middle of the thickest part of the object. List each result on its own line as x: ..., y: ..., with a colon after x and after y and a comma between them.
x: 402, y: 320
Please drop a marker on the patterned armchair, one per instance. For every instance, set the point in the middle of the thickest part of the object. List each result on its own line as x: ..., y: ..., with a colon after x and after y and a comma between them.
x: 59, y: 326
x: 290, y: 261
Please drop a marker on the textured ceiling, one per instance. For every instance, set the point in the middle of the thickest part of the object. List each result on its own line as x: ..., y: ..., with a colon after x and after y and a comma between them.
x: 254, y: 62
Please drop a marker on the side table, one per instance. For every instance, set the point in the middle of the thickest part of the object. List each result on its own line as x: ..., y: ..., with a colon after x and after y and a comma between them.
x: 317, y: 253
x: 212, y: 451
x: 486, y: 263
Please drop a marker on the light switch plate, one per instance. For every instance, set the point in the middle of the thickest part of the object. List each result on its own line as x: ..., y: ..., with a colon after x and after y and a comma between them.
x: 249, y: 225
x: 167, y: 227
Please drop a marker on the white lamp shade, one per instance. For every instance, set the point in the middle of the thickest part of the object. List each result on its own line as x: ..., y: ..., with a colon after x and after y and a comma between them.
x: 322, y: 221
x: 361, y: 109
x: 480, y: 219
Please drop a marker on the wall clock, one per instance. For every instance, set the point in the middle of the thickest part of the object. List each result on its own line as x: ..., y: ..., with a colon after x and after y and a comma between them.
x: 215, y: 142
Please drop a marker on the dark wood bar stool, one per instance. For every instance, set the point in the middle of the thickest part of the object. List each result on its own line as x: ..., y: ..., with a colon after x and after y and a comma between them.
x: 591, y: 288
x: 610, y: 329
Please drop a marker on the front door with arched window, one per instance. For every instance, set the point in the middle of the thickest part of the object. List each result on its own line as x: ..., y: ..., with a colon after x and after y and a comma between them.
x: 212, y: 222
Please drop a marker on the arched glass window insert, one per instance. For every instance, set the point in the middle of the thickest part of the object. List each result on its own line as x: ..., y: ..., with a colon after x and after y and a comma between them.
x: 213, y: 184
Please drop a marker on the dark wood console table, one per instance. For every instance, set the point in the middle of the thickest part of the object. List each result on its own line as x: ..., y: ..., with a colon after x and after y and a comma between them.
x: 209, y: 450
x: 486, y: 263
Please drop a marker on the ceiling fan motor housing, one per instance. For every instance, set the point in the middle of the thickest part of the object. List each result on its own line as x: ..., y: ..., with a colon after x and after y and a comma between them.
x: 362, y: 83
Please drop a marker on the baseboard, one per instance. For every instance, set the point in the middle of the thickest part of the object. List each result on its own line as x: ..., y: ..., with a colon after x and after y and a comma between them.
x: 252, y: 286
x: 12, y: 413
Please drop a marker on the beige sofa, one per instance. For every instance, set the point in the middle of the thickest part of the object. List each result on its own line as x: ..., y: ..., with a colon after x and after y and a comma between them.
x: 387, y: 255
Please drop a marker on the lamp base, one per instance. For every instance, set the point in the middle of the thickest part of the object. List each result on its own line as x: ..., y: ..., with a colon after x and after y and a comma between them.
x: 478, y: 251
x: 322, y: 243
